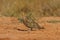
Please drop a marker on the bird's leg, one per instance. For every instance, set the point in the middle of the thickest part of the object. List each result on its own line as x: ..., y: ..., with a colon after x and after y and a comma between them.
x: 31, y: 29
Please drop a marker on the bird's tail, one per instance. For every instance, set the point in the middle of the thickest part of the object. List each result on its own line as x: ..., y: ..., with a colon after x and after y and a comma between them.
x: 38, y: 26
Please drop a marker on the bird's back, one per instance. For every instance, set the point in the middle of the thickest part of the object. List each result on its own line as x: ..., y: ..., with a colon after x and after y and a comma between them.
x: 30, y: 23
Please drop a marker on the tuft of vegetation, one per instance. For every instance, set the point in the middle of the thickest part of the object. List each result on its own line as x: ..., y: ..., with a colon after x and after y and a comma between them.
x: 54, y: 21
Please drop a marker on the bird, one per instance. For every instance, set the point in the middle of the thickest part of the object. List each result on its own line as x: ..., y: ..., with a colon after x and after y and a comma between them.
x: 30, y: 23
x: 28, y: 20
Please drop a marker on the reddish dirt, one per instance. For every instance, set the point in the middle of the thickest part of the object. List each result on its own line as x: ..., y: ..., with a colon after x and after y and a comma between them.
x: 9, y: 25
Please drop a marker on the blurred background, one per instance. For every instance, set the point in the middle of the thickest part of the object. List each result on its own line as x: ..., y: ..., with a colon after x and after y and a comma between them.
x: 38, y: 8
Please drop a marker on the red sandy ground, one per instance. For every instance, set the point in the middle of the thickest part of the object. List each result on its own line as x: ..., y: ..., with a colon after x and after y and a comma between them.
x: 8, y: 30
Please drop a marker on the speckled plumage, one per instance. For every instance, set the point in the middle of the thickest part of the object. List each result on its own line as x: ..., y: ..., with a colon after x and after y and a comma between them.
x: 30, y: 23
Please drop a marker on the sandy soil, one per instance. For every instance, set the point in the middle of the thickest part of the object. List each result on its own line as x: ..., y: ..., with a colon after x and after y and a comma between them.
x: 9, y: 26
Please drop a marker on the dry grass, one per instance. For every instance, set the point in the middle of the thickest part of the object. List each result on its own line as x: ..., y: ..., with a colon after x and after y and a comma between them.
x: 40, y: 7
